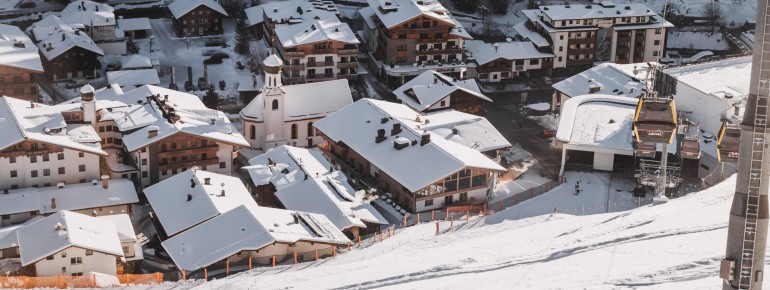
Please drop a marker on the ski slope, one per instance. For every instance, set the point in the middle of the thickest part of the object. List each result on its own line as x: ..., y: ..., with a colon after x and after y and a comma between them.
x: 677, y: 245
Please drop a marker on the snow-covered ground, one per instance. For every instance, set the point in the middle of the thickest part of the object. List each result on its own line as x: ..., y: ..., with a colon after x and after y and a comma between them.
x: 549, y: 121
x: 677, y: 245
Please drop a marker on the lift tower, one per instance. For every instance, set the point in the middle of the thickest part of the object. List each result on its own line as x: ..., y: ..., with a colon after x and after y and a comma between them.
x: 744, y: 264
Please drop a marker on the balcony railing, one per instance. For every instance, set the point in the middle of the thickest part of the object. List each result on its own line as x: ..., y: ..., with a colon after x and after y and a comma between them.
x: 518, y: 68
x: 189, y: 163
x: 494, y: 69
x: 293, y: 80
x: 209, y: 150
x: 320, y: 76
x: 294, y: 67
x: 320, y: 63
x: 293, y: 54
x: 323, y: 51
x: 350, y: 76
x: 347, y: 64
x: 347, y: 51
x: 440, y: 51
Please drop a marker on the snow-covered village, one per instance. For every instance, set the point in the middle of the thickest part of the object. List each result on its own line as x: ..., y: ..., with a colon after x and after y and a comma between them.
x: 384, y: 144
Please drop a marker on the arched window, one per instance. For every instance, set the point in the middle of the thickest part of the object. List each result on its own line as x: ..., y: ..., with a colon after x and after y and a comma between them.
x: 275, y: 105
x: 253, y: 132
x: 310, y: 129
x: 293, y: 131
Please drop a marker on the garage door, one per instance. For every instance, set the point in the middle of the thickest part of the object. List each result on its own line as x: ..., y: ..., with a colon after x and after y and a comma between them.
x: 603, y: 161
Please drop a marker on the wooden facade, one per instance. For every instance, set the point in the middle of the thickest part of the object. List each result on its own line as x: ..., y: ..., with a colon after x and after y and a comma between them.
x: 18, y: 83
x: 77, y: 62
x: 180, y: 152
x: 199, y: 22
x: 418, y: 39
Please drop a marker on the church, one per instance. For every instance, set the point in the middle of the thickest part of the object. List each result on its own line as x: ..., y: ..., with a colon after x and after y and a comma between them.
x: 284, y: 115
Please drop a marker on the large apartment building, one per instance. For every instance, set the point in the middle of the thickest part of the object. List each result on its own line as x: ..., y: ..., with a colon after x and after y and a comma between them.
x: 312, y: 42
x: 581, y: 34
x: 19, y: 64
x: 407, y: 37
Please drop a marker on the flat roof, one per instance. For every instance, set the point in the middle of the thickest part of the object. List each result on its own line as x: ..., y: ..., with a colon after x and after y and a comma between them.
x: 601, y: 121
x: 715, y: 76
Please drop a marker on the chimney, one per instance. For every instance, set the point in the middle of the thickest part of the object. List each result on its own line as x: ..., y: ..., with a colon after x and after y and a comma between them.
x: 270, y: 161
x: 62, y: 37
x: 189, y: 197
x: 223, y: 192
x: 60, y: 185
x: 105, y: 181
x: 380, y: 136
x: 396, y: 129
x: 400, y: 143
x: 296, y: 218
x: 53, y: 203
x: 425, y: 139
x: 384, y: 120
x: 32, y: 104
x: 435, y: 80
x: 454, y: 131
x: 57, y: 227
x: 152, y: 131
x: 192, y: 183
x: 207, y: 181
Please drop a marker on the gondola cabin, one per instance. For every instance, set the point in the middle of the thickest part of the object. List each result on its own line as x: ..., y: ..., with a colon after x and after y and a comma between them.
x: 645, y: 150
x: 690, y: 147
x: 655, y: 120
x: 728, y: 142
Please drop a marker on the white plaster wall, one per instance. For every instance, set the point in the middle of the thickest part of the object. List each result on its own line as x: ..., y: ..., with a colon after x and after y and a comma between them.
x: 71, y: 163
x: 98, y: 262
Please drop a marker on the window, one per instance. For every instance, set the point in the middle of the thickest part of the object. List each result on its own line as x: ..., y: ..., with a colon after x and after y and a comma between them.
x: 144, y: 161
x: 464, y: 197
x: 14, y: 173
x: 402, y: 36
x: 428, y: 203
x: 144, y: 174
x: 64, y: 269
x: 443, y: 103
x: 655, y: 53
x: 61, y: 170
x: 89, y: 252
x: 46, y: 172
x: 293, y: 131
x: 81, y: 154
x: 46, y: 158
x: 534, y: 61
x: 561, y: 37
x: 310, y: 129
x: 173, y: 146
x: 275, y: 105
x: 561, y: 48
x: 657, y: 31
x: 101, y: 129
x: 76, y: 261
x: 33, y: 173
x: 49, y: 257
x: 478, y: 180
x: 60, y: 156
x: 252, y: 133
x: 438, y: 35
x: 64, y: 255
x: 82, y: 167
x: 221, y: 165
x: 12, y: 160
x: 5, y: 217
x: 33, y: 159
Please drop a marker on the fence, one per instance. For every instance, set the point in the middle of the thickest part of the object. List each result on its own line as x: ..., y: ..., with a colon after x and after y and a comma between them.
x: 87, y: 281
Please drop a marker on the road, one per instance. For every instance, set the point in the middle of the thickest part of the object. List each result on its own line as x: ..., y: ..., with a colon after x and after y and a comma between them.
x: 505, y: 108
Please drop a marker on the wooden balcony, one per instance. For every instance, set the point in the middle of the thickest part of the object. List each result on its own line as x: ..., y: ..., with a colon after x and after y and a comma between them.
x: 494, y: 69
x: 322, y: 51
x: 317, y: 77
x: 189, y: 163
x: 210, y: 150
x: 347, y: 64
x: 320, y: 63
x: 439, y: 51
x: 293, y: 80
x: 292, y: 54
x: 294, y: 67
x: 351, y: 51
x: 347, y: 76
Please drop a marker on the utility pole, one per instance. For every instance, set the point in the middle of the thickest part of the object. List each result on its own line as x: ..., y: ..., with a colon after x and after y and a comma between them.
x: 743, y: 266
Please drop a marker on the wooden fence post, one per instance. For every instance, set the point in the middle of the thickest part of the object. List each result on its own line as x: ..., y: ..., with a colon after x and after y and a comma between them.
x: 128, y: 282
x: 157, y: 277
x: 227, y: 267
x: 432, y: 215
x: 359, y: 242
x: 467, y: 215
x: 446, y: 217
x: 273, y: 261
x: 58, y: 281
x: 451, y: 221
x: 334, y: 251
x: 205, y: 274
x: 295, y: 258
x: 404, y: 220
x: 437, y: 228
x: 249, y: 263
x: 348, y: 247
x: 316, y: 254
x: 184, y: 276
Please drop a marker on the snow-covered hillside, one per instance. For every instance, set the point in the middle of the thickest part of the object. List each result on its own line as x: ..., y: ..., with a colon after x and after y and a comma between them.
x: 673, y: 246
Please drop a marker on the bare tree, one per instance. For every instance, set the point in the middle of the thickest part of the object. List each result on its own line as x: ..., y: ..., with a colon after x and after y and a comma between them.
x: 714, y: 15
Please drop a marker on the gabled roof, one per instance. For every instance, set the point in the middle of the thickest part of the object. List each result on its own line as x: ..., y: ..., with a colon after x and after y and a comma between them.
x: 88, y: 13
x: 53, y: 37
x: 8, y: 236
x: 131, y: 111
x: 472, y: 131
x: 322, y: 192
x: 72, y: 197
x: 415, y: 166
x: 247, y: 228
x: 19, y: 121
x: 394, y: 12
x: 181, y: 7
x: 430, y: 87
x: 327, y: 27
x: 484, y: 52
x: 67, y: 229
x: 133, y: 24
x: 133, y: 78
x: 169, y: 198
x: 135, y: 61
x: 123, y: 226
x: 305, y: 101
x: 17, y: 50
x: 606, y: 78
x: 290, y: 12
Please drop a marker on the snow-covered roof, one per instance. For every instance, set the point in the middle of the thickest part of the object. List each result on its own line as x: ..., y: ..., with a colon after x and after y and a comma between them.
x: 134, y: 77
x: 88, y: 13
x: 67, y: 229
x: 607, y: 79
x: 526, y: 30
x: 135, y: 61
x: 715, y: 76
x: 123, y: 226
x: 72, y: 197
x: 133, y: 24
x: 430, y: 87
x: 367, y: 13
x: 55, y: 39
x: 17, y: 50
x: 484, y: 52
x: 131, y: 111
x: 395, y: 12
x: 323, y: 192
x: 305, y: 101
x: 176, y: 213
x: 415, y: 166
x: 473, y: 131
x: 318, y: 26
x: 246, y: 228
x: 699, y: 40
x: 290, y: 12
x: 181, y: 7
x: 19, y: 122
x: 578, y: 11
x: 601, y: 121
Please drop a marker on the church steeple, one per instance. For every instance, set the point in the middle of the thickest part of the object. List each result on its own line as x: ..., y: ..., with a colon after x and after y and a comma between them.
x: 273, y: 66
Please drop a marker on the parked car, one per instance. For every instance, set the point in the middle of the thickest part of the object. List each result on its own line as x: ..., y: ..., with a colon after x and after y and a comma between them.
x: 215, y: 41
x: 547, y: 133
x: 113, y: 66
x: 220, y: 55
x: 75, y: 83
x: 203, y: 85
x: 210, y: 52
x: 188, y: 86
x: 212, y: 60
x: 547, y: 81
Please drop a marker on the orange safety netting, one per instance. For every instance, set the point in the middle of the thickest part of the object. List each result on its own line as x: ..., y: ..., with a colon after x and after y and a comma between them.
x: 92, y: 281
